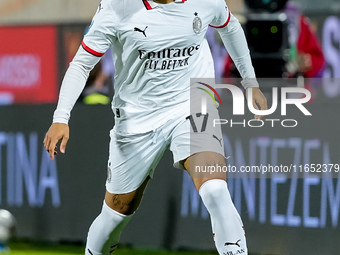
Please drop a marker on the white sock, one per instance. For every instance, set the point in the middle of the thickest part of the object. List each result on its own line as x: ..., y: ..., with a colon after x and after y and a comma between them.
x: 226, y: 223
x: 104, y: 233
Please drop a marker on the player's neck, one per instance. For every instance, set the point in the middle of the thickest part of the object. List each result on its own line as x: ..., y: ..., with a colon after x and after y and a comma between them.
x: 163, y: 1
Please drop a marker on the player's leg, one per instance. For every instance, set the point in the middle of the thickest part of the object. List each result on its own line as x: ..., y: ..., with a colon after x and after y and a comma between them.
x: 117, y: 210
x: 126, y: 203
x: 132, y: 161
x: 226, y: 223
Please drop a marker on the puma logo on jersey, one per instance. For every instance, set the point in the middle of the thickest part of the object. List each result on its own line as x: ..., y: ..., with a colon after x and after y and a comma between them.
x: 227, y: 243
x: 141, y: 31
x: 220, y: 140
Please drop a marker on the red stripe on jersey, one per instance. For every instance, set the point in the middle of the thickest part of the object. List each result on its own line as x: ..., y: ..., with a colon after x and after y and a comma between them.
x: 89, y: 50
x: 147, y: 5
x: 223, y: 24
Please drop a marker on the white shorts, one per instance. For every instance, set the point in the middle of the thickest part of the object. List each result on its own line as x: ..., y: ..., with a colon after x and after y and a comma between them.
x: 132, y: 158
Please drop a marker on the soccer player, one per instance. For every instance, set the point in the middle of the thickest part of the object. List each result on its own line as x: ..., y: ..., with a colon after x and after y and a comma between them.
x: 158, y: 45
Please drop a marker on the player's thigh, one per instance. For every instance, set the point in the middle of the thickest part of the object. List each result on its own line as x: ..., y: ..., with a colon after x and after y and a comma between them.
x: 196, y: 134
x: 132, y: 162
x: 204, y: 166
x: 132, y: 159
x: 198, y: 147
x: 126, y: 203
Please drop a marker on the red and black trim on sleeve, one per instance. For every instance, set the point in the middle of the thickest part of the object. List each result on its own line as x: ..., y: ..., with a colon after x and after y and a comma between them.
x: 223, y: 24
x: 89, y: 50
x: 147, y: 5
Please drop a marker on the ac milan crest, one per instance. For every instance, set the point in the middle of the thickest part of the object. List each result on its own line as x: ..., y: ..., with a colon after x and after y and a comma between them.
x: 197, y: 24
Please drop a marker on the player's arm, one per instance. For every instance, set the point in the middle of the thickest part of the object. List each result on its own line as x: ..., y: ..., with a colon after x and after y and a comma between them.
x: 235, y: 42
x: 94, y: 45
x: 72, y: 86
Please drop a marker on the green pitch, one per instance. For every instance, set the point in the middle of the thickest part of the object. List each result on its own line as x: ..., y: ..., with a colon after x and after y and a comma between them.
x: 29, y: 248
x: 118, y: 252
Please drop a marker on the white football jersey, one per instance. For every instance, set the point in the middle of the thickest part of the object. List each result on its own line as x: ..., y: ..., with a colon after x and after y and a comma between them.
x: 156, y: 48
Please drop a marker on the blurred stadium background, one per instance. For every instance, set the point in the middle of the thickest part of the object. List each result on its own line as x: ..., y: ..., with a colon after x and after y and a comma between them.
x: 54, y: 203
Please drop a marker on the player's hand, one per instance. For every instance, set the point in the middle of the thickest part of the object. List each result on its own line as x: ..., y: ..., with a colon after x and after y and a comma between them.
x: 259, y: 101
x: 56, y: 132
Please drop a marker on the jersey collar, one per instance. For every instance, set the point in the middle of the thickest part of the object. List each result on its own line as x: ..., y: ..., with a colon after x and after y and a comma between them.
x: 150, y: 4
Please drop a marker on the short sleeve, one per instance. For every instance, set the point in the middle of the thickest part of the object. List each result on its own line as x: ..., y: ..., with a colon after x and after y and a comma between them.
x: 222, y: 14
x: 101, y: 31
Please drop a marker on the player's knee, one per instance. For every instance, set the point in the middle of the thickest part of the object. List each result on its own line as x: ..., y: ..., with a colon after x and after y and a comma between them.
x: 126, y: 203
x: 123, y: 203
x: 125, y: 207
x: 212, y: 191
